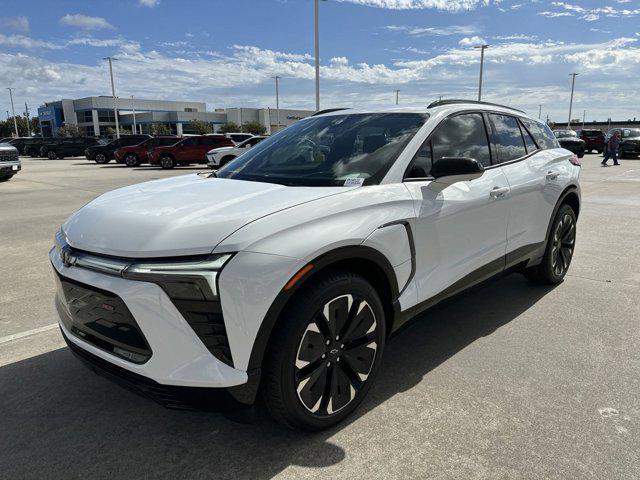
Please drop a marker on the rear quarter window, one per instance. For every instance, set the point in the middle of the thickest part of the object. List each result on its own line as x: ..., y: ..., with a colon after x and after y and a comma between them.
x: 541, y: 133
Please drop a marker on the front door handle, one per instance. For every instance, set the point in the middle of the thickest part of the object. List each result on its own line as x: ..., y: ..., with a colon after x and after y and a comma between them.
x: 552, y: 175
x: 499, y: 192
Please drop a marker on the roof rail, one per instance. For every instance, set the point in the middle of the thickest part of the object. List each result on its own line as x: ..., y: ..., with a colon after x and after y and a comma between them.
x: 440, y: 103
x: 328, y: 110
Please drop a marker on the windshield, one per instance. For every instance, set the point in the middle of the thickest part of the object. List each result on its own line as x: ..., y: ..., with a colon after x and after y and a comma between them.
x: 336, y: 150
x: 565, y: 133
x: 631, y: 132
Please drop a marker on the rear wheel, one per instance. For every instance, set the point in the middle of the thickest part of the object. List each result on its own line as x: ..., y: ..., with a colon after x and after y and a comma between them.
x: 52, y: 155
x: 6, y: 177
x: 559, y: 251
x: 131, y: 160
x: 324, y: 352
x: 226, y: 160
x: 167, y: 162
x: 101, y: 159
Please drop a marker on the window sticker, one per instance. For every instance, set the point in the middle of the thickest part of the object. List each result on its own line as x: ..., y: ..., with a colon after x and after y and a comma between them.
x: 353, y: 182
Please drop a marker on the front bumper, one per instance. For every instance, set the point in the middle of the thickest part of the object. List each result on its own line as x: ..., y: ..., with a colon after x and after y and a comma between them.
x: 10, y: 168
x: 178, y: 358
x: 630, y: 149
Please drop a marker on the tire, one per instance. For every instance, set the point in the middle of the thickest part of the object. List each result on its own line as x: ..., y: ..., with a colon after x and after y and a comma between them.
x: 556, y: 261
x: 303, y: 340
x: 52, y: 155
x: 101, y: 159
x: 6, y: 178
x: 131, y: 160
x: 167, y: 162
x: 226, y: 160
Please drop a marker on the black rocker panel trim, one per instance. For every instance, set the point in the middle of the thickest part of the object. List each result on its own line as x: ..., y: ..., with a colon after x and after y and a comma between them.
x: 359, y: 252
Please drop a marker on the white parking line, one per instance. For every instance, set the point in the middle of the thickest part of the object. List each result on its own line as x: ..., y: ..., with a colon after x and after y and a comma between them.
x: 28, y: 333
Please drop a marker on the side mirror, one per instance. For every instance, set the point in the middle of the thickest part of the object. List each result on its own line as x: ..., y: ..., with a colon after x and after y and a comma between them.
x: 450, y: 170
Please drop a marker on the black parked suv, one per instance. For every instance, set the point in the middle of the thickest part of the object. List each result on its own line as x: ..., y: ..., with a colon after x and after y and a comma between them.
x: 68, y: 147
x: 32, y: 146
x: 629, y: 141
x: 569, y: 139
x: 105, y: 153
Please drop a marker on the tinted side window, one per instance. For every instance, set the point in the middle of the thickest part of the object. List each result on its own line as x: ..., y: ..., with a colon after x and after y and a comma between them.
x: 462, y: 136
x: 528, y: 139
x: 210, y: 140
x: 542, y: 134
x: 508, y: 138
x: 168, y: 141
x: 422, y: 162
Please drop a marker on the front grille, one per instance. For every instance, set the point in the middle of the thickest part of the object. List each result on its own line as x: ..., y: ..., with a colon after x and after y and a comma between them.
x: 8, y: 156
x: 102, y: 319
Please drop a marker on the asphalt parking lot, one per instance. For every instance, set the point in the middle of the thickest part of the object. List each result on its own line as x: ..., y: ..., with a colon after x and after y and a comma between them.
x: 508, y: 381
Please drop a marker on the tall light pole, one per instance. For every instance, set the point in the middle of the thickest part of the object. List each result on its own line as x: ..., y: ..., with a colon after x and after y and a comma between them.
x: 277, y: 78
x: 26, y: 114
x: 317, y: 48
x: 133, y: 107
x: 397, y: 96
x: 573, y: 84
x: 13, y: 111
x: 584, y: 116
x: 539, y: 111
x: 113, y: 92
x: 482, y: 49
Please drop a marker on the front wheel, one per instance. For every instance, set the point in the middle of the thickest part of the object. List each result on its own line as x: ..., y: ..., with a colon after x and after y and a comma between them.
x: 131, y: 160
x: 324, y: 352
x: 101, y: 159
x: 559, y: 251
x: 51, y: 155
x: 167, y: 162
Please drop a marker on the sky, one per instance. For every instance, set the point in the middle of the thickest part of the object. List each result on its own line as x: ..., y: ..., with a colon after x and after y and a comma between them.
x: 225, y: 52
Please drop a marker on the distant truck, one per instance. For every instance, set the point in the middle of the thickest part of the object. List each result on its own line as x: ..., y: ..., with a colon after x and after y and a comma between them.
x: 9, y: 161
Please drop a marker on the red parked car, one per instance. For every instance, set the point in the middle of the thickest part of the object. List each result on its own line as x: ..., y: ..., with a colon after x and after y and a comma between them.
x: 134, y: 155
x: 594, y: 140
x: 189, y: 150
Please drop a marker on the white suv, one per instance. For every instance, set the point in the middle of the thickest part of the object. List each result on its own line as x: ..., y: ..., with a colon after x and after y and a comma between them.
x: 284, y: 274
x: 219, y: 157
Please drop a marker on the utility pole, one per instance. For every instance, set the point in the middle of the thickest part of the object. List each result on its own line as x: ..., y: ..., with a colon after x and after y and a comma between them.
x: 482, y: 49
x: 13, y: 111
x: 539, y: 111
x: 573, y: 84
x: 133, y: 107
x: 277, y: 78
x: 113, y: 92
x: 26, y: 114
x: 317, y: 42
x: 584, y: 115
x: 397, y: 97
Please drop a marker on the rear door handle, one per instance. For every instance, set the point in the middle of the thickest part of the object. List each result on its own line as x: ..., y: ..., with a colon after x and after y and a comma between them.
x: 552, y: 175
x: 498, y: 192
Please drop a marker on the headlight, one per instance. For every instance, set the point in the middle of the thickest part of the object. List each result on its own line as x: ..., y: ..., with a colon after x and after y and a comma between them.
x: 186, y: 280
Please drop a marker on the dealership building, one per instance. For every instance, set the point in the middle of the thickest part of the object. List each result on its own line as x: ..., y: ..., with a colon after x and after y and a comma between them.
x: 94, y: 115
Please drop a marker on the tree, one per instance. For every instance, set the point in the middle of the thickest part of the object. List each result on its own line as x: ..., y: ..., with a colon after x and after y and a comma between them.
x: 70, y: 130
x: 229, y: 127
x: 201, y: 128
x: 158, y: 129
x: 7, y: 128
x: 254, y: 128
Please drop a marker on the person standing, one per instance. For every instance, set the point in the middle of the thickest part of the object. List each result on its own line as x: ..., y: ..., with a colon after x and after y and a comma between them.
x: 612, y: 150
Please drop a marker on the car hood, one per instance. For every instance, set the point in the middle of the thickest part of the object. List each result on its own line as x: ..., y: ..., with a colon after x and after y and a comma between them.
x: 570, y: 140
x: 220, y: 149
x: 187, y: 215
x: 632, y: 139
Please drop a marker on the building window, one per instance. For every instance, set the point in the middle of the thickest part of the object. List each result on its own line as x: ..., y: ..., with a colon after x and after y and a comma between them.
x: 190, y: 109
x: 85, y: 117
x: 89, y: 131
x: 106, y: 116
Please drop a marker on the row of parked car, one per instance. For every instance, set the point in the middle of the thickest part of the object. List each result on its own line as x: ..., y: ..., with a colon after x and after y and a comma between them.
x: 595, y: 140
x: 166, y: 151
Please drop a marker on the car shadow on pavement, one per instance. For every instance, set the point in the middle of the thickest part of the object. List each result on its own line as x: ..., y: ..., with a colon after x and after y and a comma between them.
x: 62, y: 421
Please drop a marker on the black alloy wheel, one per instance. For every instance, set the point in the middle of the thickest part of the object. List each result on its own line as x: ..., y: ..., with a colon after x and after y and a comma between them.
x: 335, y: 355
x: 324, y: 352
x: 131, y: 160
x: 167, y: 162
x: 101, y: 159
x: 52, y: 155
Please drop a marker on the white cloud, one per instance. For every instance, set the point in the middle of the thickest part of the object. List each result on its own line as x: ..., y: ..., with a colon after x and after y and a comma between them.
x: 589, y: 14
x: 149, y: 3
x: 446, y: 5
x: 19, y: 24
x: 85, y: 22
x: 21, y: 41
x: 472, y: 41
x: 433, y: 31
